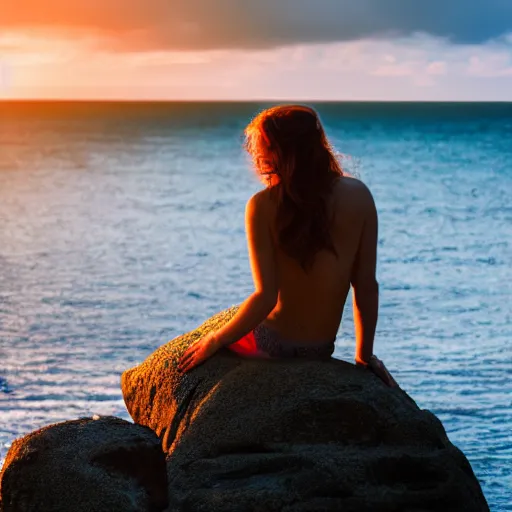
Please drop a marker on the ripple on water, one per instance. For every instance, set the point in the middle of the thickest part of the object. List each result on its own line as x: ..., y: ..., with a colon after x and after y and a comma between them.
x: 4, y: 386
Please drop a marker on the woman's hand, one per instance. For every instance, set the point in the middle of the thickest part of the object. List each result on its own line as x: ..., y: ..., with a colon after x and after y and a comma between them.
x: 376, y: 366
x: 199, y: 352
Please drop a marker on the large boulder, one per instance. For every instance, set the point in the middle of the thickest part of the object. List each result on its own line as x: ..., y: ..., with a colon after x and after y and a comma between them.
x: 87, y: 465
x: 293, y: 435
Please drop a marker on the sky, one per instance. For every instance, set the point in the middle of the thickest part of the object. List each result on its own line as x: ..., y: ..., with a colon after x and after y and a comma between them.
x: 256, y: 50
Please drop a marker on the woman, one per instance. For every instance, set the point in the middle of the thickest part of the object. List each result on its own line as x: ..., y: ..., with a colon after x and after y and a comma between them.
x: 312, y: 233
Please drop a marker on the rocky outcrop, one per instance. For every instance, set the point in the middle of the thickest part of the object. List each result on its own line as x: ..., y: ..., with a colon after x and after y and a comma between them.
x: 295, y: 435
x: 101, y: 465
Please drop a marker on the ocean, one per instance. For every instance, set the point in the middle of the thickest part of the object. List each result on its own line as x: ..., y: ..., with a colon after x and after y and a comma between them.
x: 122, y: 226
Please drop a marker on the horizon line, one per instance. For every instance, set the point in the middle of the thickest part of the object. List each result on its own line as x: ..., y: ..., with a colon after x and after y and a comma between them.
x: 256, y: 100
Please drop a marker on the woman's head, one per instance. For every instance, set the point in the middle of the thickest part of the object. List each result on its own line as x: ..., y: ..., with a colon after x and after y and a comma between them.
x: 288, y: 145
x: 291, y: 153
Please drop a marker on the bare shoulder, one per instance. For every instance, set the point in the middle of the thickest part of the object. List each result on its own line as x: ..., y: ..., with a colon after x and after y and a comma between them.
x: 355, y: 186
x: 259, y: 197
x: 353, y: 192
x: 261, y: 203
x: 260, y: 208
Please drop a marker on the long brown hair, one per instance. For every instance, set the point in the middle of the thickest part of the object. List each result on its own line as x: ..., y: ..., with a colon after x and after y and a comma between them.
x: 288, y: 145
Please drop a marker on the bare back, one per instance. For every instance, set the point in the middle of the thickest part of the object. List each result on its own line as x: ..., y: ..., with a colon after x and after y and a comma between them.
x: 310, y: 305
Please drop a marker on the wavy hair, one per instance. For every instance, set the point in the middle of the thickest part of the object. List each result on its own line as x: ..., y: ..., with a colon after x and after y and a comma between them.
x: 288, y: 145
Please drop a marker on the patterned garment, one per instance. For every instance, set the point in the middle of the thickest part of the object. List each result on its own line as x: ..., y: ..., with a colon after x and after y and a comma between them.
x: 267, y: 343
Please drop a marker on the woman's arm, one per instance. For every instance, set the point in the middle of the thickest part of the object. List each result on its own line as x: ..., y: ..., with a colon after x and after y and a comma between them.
x: 365, y: 288
x: 366, y: 293
x: 263, y: 266
x: 260, y: 303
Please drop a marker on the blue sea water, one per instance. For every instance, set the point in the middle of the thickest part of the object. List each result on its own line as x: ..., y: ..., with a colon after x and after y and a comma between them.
x: 121, y: 226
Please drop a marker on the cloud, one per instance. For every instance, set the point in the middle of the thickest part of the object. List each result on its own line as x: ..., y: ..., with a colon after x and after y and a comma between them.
x: 436, y: 68
x: 414, y: 68
x: 212, y: 24
x: 495, y: 65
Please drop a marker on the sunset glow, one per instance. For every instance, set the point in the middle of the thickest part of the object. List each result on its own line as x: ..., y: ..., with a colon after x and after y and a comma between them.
x: 150, y: 50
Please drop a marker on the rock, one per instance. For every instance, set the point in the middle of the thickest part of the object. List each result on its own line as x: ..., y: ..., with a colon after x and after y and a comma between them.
x: 294, y: 435
x: 86, y: 465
